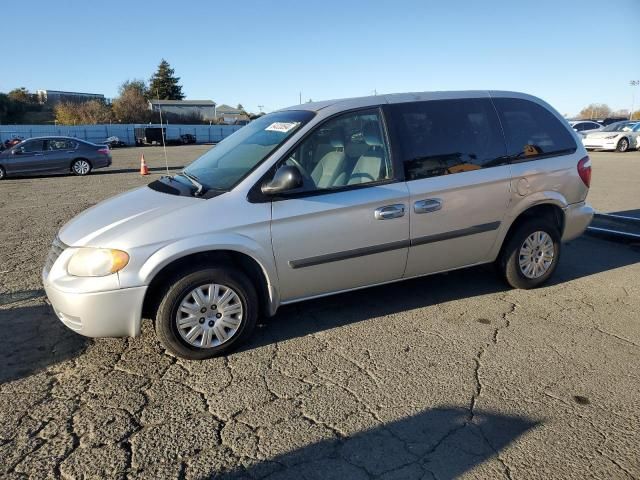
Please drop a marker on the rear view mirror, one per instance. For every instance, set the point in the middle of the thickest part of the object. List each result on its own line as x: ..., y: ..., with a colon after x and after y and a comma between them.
x: 286, y: 178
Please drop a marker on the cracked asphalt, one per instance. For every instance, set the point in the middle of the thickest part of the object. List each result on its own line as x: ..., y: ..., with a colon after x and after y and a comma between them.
x: 447, y: 376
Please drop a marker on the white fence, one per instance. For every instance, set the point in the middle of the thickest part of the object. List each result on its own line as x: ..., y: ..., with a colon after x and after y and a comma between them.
x: 98, y: 133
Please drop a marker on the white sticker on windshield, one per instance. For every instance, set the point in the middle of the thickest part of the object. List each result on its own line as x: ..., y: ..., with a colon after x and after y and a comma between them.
x: 283, y: 127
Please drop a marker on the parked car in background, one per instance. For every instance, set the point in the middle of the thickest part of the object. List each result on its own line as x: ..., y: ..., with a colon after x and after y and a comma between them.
x: 585, y: 126
x: 114, y: 142
x: 619, y: 136
x: 309, y: 201
x: 53, y: 154
x: 187, y: 138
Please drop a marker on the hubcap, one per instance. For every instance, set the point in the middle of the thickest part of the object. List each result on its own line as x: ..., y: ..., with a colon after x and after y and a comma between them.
x: 623, y: 144
x: 81, y: 167
x: 536, y: 255
x: 209, y: 315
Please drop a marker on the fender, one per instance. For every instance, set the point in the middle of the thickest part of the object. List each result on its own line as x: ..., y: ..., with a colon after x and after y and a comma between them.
x: 520, y: 205
x: 212, y: 242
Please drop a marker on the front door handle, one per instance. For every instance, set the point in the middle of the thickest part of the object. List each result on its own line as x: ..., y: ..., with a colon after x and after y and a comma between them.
x: 389, y: 211
x: 38, y: 154
x: 428, y: 205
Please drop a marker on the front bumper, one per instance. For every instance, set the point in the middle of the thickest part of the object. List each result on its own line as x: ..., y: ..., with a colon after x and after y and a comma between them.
x: 114, y: 313
x: 577, y: 218
x: 600, y: 143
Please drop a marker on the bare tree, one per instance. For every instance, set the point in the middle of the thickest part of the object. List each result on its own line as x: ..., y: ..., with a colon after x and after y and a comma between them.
x: 594, y: 110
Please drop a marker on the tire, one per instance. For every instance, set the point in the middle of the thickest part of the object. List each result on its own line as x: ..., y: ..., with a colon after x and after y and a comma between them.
x: 3, y: 173
x: 81, y: 167
x: 509, y: 262
x: 173, y: 338
x: 623, y: 145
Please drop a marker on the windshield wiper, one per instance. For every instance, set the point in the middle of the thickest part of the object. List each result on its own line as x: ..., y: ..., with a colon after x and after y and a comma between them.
x: 194, y: 181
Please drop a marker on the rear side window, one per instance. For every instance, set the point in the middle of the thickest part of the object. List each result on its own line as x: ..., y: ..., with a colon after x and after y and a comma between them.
x: 443, y: 137
x: 61, y: 144
x: 531, y: 130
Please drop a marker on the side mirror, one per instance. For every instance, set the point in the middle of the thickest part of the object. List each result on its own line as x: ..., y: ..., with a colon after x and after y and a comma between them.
x: 286, y: 178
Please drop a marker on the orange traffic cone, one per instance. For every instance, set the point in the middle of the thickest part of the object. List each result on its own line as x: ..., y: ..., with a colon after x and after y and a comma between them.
x: 144, y: 169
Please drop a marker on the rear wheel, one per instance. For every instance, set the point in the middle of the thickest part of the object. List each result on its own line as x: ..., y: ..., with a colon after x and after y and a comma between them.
x: 531, y: 254
x: 623, y: 145
x: 81, y: 167
x: 207, y: 313
x: 2, y: 173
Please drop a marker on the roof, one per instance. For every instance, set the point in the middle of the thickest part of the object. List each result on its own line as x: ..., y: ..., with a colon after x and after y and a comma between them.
x: 209, y: 103
x: 224, y: 108
x: 358, y: 102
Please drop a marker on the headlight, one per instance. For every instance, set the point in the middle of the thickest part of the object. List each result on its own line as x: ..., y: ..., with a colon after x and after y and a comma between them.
x: 611, y: 136
x: 97, y: 262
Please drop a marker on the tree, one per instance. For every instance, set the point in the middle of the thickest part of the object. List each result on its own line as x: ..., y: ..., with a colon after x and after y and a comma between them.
x: 22, y: 95
x: 164, y: 84
x: 87, y: 113
x: 594, y: 110
x: 131, y: 105
x: 635, y: 115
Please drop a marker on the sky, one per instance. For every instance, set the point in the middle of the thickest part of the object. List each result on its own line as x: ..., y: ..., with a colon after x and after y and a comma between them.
x: 264, y: 53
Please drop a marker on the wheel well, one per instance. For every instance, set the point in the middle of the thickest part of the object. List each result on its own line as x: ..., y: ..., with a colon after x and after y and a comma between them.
x: 553, y: 213
x: 164, y: 278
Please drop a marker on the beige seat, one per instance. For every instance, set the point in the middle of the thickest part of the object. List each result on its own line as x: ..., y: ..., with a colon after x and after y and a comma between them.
x: 370, y: 167
x: 328, y: 170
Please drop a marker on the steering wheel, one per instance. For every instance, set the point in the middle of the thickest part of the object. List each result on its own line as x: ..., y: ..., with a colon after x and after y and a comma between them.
x: 305, y: 175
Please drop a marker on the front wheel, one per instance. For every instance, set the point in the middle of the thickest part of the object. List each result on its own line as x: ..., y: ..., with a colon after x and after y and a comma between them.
x: 207, y: 313
x: 623, y: 145
x: 531, y: 254
x: 3, y: 173
x: 81, y: 167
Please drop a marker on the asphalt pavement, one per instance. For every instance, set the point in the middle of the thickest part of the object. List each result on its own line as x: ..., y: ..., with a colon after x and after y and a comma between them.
x: 448, y: 376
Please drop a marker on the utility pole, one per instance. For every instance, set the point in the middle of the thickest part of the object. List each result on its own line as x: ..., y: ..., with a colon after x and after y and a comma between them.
x: 300, y: 98
x: 260, y: 107
x: 633, y: 83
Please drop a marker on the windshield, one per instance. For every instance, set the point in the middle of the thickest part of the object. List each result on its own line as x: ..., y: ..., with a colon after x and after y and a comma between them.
x: 233, y: 158
x: 617, y: 127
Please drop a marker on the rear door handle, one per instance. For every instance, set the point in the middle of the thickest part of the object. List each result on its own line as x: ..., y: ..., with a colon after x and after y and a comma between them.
x: 389, y: 211
x: 427, y: 205
x: 37, y: 154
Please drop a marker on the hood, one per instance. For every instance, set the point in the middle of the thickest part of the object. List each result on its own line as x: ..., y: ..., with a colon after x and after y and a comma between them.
x: 120, y: 213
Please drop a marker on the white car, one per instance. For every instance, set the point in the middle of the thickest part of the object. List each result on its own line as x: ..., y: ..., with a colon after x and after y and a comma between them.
x: 585, y: 126
x: 619, y: 136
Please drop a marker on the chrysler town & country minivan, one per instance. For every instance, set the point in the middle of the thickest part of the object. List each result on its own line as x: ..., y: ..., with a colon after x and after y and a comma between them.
x: 323, y: 198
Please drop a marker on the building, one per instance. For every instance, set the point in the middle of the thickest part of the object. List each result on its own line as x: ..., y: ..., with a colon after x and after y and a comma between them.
x: 230, y: 115
x: 203, y: 109
x: 51, y: 97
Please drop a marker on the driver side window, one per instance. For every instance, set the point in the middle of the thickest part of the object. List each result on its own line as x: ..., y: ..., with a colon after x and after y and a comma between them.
x: 348, y: 150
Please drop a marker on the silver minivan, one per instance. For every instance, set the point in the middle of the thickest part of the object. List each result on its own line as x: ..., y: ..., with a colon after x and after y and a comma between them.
x: 324, y: 198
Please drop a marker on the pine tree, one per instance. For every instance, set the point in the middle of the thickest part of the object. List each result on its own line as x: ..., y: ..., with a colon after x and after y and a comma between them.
x: 164, y: 85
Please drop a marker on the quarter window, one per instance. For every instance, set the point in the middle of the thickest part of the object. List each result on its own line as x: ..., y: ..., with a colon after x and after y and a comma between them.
x: 532, y: 130
x: 443, y: 137
x: 345, y: 151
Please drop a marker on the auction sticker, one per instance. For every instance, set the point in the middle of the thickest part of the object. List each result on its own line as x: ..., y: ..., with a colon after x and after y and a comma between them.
x: 283, y: 127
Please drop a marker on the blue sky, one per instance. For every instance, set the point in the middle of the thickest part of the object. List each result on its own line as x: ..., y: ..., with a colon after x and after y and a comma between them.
x: 569, y: 52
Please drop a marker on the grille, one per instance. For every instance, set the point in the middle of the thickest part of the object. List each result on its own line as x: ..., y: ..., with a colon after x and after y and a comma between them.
x: 57, y: 247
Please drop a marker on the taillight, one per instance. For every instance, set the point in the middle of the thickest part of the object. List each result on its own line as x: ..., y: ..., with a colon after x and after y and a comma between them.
x: 104, y: 151
x: 584, y: 170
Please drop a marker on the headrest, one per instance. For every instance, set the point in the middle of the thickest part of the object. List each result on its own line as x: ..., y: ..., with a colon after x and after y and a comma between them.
x: 336, y: 139
x: 371, y: 134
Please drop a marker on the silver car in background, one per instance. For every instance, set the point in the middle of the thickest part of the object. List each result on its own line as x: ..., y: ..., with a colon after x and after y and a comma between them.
x: 42, y: 155
x: 619, y: 136
x: 324, y: 198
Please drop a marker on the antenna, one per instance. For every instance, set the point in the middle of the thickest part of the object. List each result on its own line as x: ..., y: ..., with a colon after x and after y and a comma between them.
x: 164, y: 146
